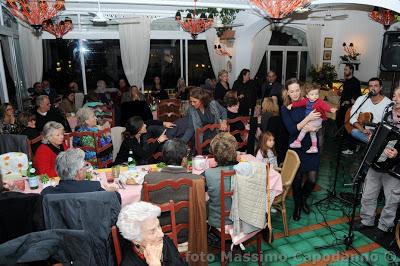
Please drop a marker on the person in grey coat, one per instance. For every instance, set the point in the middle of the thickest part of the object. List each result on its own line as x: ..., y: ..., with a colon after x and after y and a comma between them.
x: 204, y: 111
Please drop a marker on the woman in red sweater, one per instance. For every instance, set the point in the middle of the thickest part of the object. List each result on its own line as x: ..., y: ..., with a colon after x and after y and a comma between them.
x: 52, y: 144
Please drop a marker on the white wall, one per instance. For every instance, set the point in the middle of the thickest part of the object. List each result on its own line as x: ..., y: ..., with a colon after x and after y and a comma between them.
x: 358, y: 28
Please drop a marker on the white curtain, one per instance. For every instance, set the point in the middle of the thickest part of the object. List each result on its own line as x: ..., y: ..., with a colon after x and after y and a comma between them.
x: 218, y: 62
x: 134, y: 39
x: 32, y: 54
x: 314, y: 43
x: 260, y: 44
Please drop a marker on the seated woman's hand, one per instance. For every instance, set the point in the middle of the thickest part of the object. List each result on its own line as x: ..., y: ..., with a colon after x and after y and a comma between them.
x: 168, y: 125
x: 152, y: 254
x: 106, y: 125
x: 162, y: 137
x: 224, y: 126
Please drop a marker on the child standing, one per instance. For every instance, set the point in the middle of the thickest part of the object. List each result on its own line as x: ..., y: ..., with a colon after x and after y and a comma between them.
x: 266, y: 150
x: 312, y: 102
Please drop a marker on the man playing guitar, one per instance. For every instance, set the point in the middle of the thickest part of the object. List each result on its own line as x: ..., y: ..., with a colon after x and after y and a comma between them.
x: 376, y: 105
x: 383, y: 175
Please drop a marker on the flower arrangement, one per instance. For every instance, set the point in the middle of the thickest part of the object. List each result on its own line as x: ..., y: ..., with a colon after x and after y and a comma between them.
x: 351, y: 52
x: 325, y: 75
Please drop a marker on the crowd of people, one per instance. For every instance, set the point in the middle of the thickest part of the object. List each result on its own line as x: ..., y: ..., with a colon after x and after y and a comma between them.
x: 291, y: 116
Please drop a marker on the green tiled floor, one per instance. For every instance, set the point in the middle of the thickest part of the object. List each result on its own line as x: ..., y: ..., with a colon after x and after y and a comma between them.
x: 303, y: 248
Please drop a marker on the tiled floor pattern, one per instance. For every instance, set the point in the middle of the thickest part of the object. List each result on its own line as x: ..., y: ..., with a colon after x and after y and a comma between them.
x: 307, y: 237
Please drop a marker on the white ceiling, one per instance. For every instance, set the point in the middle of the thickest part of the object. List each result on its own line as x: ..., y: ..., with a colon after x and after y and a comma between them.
x: 169, y: 7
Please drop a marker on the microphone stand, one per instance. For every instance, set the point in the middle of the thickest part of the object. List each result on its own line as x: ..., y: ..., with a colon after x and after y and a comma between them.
x: 332, y: 194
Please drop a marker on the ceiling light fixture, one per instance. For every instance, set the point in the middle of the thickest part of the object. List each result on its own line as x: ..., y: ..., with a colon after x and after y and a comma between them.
x: 35, y: 12
x: 383, y: 16
x: 194, y: 25
x: 58, y: 28
x: 276, y: 10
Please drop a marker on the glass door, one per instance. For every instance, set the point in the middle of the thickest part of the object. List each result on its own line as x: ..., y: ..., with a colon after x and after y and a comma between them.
x: 287, y: 63
x: 276, y: 64
x: 292, y: 63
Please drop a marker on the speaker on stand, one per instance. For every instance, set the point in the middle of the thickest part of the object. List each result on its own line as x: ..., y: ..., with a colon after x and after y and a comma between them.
x: 390, y: 58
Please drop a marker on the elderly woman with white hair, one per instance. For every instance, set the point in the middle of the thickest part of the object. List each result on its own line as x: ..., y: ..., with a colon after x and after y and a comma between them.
x: 71, y: 168
x: 87, y: 122
x: 139, y: 224
x: 52, y: 144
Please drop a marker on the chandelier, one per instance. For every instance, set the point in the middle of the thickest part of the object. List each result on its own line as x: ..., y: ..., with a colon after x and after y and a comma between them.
x: 277, y: 9
x: 35, y: 12
x: 58, y: 29
x: 384, y: 16
x: 194, y: 25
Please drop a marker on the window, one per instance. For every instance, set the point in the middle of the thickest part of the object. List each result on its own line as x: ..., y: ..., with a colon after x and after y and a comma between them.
x: 61, y: 63
x: 199, y: 64
x: 286, y: 54
x: 164, y: 62
x: 103, y: 61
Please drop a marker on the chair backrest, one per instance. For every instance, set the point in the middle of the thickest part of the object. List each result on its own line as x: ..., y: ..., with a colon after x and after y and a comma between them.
x: 169, y: 110
x: 201, y: 145
x: 223, y: 195
x: 32, y: 142
x: 175, y: 184
x: 157, y: 155
x: 117, y: 245
x: 116, y: 138
x: 98, y: 147
x: 289, y: 168
x: 170, y: 229
x: 79, y: 97
x: 13, y: 143
x: 244, y: 133
x: 68, y: 139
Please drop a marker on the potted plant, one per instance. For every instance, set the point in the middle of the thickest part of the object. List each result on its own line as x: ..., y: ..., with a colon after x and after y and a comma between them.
x: 325, y: 75
x: 222, y: 19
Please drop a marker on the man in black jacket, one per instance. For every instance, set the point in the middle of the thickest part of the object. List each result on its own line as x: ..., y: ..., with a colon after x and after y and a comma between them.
x: 272, y: 88
x: 351, y: 91
x: 44, y: 113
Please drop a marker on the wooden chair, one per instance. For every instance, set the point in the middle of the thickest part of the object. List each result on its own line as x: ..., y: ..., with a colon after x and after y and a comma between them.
x: 33, y: 142
x: 170, y: 230
x: 117, y: 246
x: 289, y: 169
x: 200, y: 146
x: 220, y: 232
x: 169, y: 110
x: 157, y: 155
x: 98, y: 148
x: 245, y: 120
x: 175, y: 184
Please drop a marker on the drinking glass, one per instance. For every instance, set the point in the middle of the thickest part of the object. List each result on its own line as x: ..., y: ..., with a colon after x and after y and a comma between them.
x: 115, y: 171
x: 110, y: 177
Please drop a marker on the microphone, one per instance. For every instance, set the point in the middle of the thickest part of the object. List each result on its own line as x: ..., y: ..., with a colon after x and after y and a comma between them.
x: 372, y: 93
x: 391, y: 104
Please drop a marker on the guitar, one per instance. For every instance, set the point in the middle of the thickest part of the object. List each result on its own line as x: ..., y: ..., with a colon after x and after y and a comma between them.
x: 362, y: 119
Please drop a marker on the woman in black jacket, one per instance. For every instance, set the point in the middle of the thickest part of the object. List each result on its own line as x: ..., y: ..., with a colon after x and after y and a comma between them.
x: 247, y: 93
x: 135, y: 141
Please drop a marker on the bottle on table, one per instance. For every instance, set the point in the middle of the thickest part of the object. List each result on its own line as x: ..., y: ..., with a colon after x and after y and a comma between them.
x: 189, y: 160
x: 33, y: 179
x: 131, y: 161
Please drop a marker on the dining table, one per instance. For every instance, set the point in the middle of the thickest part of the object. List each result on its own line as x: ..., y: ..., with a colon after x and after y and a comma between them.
x: 131, y: 193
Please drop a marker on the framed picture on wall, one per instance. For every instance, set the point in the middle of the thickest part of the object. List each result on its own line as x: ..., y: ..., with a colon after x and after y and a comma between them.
x: 328, y: 42
x: 327, y: 55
